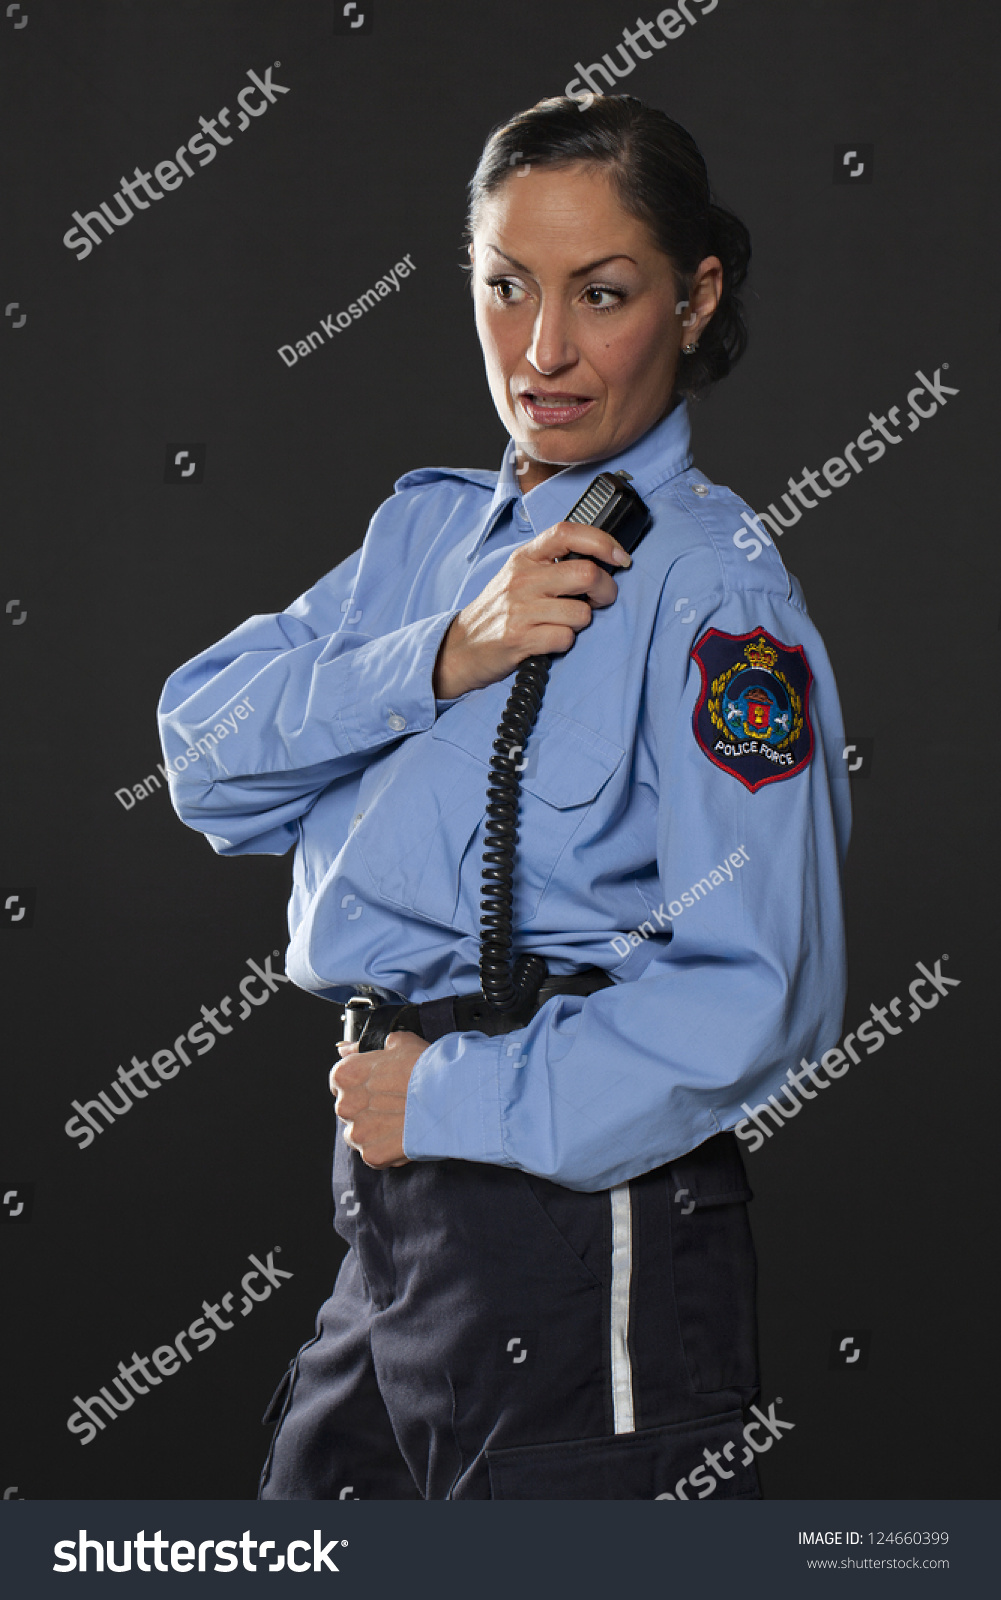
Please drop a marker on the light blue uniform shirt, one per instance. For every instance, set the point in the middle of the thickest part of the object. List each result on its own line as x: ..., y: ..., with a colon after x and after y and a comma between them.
x: 629, y: 832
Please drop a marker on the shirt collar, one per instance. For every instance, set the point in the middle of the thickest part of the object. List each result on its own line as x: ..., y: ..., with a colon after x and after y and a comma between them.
x: 662, y: 453
x: 506, y: 489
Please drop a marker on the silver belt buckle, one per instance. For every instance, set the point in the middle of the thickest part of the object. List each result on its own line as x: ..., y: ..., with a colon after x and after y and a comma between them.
x: 353, y: 1017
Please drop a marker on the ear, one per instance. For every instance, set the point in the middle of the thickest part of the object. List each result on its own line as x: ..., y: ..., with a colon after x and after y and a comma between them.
x: 707, y: 289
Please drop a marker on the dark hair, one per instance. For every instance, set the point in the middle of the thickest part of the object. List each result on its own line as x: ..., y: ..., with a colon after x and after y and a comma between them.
x: 659, y: 175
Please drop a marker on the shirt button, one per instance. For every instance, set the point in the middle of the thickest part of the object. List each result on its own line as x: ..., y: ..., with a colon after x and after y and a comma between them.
x: 357, y: 818
x: 700, y: 488
x: 396, y: 722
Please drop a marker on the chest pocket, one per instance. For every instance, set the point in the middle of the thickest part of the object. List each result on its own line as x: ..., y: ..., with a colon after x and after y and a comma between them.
x: 433, y: 808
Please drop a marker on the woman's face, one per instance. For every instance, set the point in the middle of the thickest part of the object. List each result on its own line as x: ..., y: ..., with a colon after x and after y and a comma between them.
x: 577, y: 313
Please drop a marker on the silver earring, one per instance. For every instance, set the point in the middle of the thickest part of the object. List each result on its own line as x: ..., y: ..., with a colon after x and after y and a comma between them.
x: 689, y: 349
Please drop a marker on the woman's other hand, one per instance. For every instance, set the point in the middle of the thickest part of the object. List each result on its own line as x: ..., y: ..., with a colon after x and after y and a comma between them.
x: 371, y: 1090
x: 528, y: 609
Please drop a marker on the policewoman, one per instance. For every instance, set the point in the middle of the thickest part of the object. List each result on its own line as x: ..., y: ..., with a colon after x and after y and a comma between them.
x: 548, y: 1290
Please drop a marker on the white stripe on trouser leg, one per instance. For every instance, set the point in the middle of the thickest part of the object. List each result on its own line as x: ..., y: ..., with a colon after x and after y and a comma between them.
x: 622, y: 1267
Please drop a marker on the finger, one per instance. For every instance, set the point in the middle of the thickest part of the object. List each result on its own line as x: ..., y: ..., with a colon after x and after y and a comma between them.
x: 566, y: 537
x: 580, y: 576
x: 347, y: 1045
x: 360, y: 1101
x: 559, y: 616
x: 386, y: 1105
x: 381, y: 1155
x: 354, y: 1100
x: 349, y: 1070
x: 379, y: 1140
x: 350, y: 1103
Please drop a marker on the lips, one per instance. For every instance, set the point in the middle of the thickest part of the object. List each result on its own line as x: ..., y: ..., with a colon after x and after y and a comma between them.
x: 549, y: 409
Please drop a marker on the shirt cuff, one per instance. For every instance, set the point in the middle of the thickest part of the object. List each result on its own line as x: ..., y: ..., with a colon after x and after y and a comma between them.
x: 392, y: 682
x: 453, y: 1102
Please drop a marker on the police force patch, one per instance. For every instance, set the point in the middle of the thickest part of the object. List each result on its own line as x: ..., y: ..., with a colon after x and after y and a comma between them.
x: 753, y: 715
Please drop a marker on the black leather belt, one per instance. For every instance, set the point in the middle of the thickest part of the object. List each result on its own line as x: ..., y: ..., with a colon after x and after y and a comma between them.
x: 370, y: 1023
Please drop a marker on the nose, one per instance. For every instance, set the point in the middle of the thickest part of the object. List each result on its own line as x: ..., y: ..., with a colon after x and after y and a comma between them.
x: 552, y: 347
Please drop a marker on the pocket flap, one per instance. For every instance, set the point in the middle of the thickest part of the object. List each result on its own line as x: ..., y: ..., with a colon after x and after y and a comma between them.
x: 277, y: 1401
x: 648, y: 1465
x: 566, y: 763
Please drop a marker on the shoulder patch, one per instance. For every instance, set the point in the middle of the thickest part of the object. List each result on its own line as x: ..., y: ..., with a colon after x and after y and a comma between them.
x: 753, y: 715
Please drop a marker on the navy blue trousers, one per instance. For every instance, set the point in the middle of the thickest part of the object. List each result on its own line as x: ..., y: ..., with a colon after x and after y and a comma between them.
x: 492, y: 1335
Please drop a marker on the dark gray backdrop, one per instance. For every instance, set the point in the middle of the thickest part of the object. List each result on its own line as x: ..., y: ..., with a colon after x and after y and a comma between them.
x: 871, y: 1211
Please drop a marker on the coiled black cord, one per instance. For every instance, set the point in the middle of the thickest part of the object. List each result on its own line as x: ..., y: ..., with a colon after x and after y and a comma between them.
x: 610, y: 503
x: 505, y: 984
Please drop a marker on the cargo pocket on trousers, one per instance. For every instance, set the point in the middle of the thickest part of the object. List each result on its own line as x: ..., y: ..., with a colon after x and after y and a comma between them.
x: 278, y: 1405
x: 714, y: 1266
x: 657, y: 1463
x: 277, y: 1402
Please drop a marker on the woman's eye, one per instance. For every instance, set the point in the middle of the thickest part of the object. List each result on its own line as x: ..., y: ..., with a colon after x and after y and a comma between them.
x: 602, y: 299
x: 505, y: 291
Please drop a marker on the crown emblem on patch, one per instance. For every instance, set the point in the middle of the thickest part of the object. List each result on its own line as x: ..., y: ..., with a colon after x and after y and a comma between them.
x: 760, y: 654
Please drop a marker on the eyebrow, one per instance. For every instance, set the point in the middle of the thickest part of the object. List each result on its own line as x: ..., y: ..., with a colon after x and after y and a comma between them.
x: 580, y: 272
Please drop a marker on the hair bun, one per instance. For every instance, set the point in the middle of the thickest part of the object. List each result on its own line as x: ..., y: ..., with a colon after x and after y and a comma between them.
x: 724, y: 338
